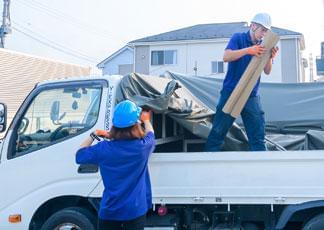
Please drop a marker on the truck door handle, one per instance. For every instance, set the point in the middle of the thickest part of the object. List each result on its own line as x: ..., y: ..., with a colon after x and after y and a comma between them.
x: 88, y: 168
x: 198, y: 199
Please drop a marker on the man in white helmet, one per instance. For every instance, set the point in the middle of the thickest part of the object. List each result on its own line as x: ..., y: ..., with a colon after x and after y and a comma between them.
x: 238, y: 53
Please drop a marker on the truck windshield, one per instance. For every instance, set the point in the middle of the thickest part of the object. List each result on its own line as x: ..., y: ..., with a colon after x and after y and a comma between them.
x: 57, y: 114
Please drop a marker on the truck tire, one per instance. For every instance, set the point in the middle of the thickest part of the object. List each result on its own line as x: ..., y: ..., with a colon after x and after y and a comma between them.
x: 316, y: 223
x: 74, y: 218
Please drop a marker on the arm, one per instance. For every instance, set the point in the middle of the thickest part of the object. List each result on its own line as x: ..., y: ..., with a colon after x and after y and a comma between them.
x: 146, y: 118
x: 83, y: 155
x: 233, y: 55
x: 148, y: 127
x: 268, y: 67
x: 87, y: 142
x: 88, y: 154
x: 149, y: 139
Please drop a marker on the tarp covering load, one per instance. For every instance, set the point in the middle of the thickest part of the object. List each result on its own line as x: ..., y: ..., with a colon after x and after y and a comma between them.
x: 291, y: 109
x: 167, y: 96
x: 170, y: 97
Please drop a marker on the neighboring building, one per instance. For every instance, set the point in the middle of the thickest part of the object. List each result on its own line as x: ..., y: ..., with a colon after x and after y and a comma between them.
x: 198, y: 50
x: 320, y: 63
x: 120, y: 62
x: 20, y: 72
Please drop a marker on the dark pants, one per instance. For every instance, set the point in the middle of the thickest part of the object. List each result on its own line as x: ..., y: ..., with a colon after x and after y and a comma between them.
x: 135, y: 224
x: 253, y: 120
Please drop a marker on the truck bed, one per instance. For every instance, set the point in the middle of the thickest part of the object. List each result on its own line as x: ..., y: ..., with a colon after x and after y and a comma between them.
x: 237, y: 177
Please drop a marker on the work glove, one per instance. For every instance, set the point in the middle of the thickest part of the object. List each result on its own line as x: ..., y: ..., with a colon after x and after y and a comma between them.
x: 145, y: 116
x: 256, y: 50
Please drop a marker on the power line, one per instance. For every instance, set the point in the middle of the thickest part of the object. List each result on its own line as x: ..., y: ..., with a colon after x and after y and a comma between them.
x: 61, y: 16
x: 51, y: 46
x: 55, y: 43
x: 56, y: 46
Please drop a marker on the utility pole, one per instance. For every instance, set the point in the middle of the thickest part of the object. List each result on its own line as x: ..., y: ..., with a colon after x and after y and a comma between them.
x: 6, y: 23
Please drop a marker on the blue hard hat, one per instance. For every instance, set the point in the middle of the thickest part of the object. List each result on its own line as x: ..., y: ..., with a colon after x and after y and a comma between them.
x: 126, y: 114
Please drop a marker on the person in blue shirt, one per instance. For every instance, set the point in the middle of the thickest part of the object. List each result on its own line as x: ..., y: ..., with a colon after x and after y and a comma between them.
x: 123, y: 164
x: 238, y: 53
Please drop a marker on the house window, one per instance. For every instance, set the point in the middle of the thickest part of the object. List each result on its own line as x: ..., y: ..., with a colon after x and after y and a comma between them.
x: 163, y: 57
x: 217, y: 67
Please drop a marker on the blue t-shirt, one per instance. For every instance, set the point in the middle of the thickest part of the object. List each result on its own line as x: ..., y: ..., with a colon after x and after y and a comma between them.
x: 123, y: 166
x: 237, y: 68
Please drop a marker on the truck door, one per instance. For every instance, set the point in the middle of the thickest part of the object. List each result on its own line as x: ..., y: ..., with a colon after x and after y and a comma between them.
x: 41, y: 145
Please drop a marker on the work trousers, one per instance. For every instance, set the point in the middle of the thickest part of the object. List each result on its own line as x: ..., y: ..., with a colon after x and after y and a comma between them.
x: 253, y: 120
x: 135, y: 224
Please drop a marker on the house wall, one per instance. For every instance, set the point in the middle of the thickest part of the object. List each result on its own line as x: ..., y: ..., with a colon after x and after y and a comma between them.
x: 289, y: 61
x: 189, y: 55
x: 201, y: 55
x: 125, y: 69
x: 113, y: 66
x: 181, y: 64
x: 142, y: 59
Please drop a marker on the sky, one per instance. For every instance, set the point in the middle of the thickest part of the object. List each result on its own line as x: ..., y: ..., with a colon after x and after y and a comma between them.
x: 88, y: 31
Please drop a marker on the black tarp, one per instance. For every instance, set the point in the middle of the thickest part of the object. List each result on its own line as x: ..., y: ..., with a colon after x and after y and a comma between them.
x: 294, y: 112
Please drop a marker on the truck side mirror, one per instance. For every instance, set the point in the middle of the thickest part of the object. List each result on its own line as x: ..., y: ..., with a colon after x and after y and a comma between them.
x: 55, y: 113
x: 3, y: 117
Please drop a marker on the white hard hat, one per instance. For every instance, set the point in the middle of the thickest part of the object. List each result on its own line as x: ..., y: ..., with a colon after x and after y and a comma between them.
x: 263, y: 19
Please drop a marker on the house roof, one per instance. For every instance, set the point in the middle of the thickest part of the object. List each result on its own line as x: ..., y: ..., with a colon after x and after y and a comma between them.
x: 208, y: 31
x: 121, y: 50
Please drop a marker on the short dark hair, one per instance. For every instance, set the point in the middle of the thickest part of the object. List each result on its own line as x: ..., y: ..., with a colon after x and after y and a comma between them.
x: 133, y: 132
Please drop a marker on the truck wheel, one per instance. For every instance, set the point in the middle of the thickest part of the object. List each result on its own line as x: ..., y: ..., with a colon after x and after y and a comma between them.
x: 316, y: 223
x: 73, y: 218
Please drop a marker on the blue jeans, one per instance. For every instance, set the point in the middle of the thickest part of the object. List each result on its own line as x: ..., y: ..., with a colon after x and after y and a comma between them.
x: 253, y: 120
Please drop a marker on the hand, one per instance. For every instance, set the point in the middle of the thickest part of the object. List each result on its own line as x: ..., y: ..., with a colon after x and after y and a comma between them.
x: 102, y: 133
x: 274, y: 52
x: 256, y: 50
x: 146, y: 116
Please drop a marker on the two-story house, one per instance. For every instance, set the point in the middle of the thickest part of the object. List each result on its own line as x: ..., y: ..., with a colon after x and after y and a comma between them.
x: 198, y: 50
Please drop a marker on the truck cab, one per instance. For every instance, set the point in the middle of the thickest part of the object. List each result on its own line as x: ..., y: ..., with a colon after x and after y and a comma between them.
x: 38, y: 151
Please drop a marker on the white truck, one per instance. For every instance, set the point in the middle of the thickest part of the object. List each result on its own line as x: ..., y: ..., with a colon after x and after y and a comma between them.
x: 43, y: 188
